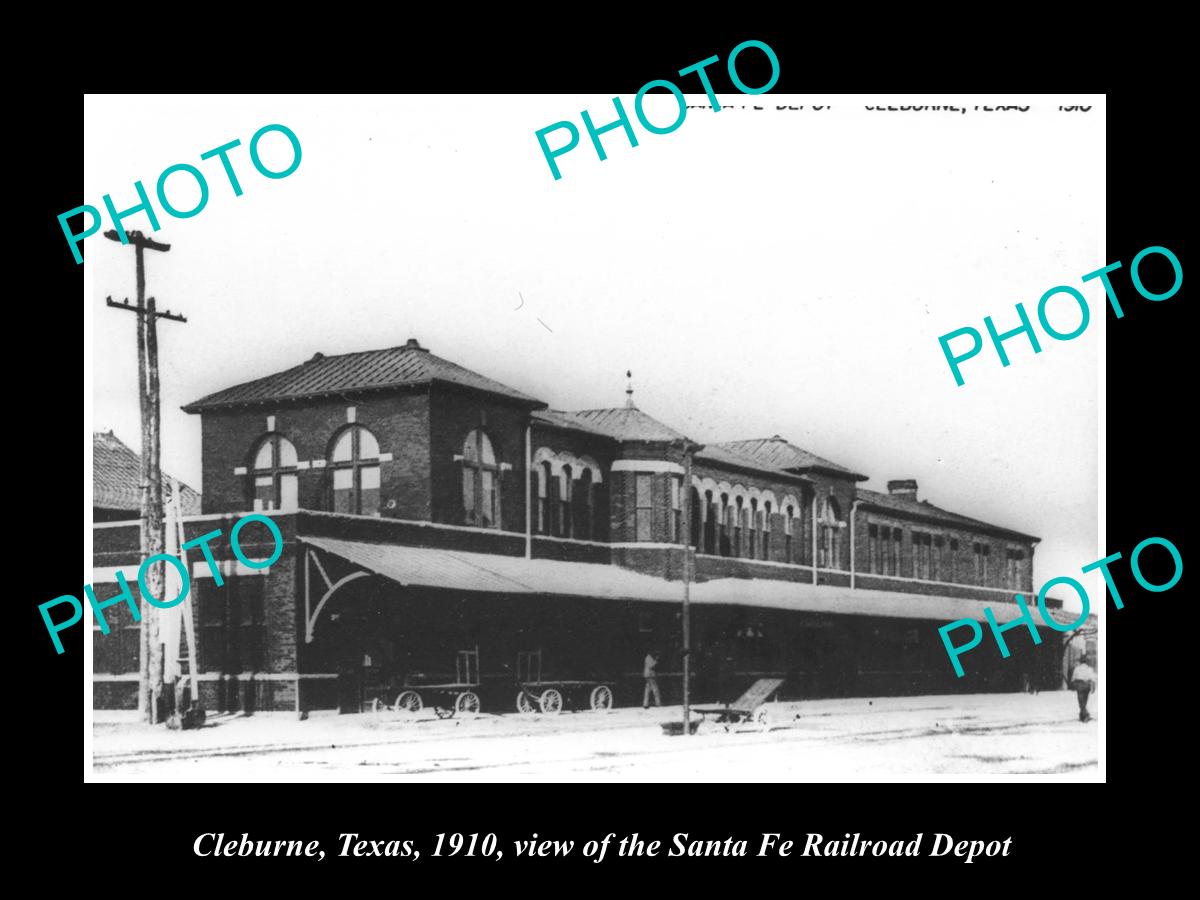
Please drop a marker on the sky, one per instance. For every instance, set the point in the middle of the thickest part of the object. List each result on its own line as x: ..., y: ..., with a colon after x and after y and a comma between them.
x: 761, y: 272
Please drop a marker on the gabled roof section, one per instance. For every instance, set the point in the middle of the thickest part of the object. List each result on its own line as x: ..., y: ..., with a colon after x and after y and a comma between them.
x: 925, y: 509
x: 779, y: 454
x: 117, y: 478
x: 369, y: 370
x: 625, y: 423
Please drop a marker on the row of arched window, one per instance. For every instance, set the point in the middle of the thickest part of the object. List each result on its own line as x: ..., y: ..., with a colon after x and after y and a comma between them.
x: 569, y: 499
x: 568, y: 496
x: 353, y: 479
x: 725, y: 523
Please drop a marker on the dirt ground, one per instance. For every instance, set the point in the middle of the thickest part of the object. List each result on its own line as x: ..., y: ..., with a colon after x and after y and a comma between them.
x: 846, y: 739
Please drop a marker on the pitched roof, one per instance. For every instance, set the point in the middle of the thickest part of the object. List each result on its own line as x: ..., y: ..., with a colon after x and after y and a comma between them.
x: 557, y: 418
x: 778, y: 453
x: 117, y: 478
x: 323, y: 375
x: 624, y: 423
x: 909, y: 506
x: 725, y: 456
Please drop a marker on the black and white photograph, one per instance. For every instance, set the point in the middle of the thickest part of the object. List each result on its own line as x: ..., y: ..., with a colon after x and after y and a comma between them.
x: 528, y: 438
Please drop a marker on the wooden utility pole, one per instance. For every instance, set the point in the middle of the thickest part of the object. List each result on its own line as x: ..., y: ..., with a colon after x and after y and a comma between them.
x: 685, y: 525
x: 151, y: 675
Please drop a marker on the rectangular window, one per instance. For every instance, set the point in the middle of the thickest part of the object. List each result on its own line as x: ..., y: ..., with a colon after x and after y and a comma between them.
x: 343, y: 490
x: 873, y: 548
x: 787, y: 536
x: 645, y: 507
x: 676, y: 511
x: 935, y: 567
x: 982, y: 554
x: 1012, y: 571
x: 897, y: 536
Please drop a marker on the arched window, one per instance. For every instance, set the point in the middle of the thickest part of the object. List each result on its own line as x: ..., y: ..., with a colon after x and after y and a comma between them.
x: 481, y: 481
x: 753, y: 552
x: 584, y: 505
x: 739, y: 524
x: 354, y: 467
x: 566, y: 496
x: 766, y: 530
x: 710, y: 523
x: 275, y: 474
x: 545, y: 510
x: 830, y: 540
x: 789, y: 519
x: 697, y: 521
x: 726, y: 525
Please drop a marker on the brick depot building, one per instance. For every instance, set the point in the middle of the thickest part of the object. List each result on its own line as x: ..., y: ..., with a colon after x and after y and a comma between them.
x: 427, y: 509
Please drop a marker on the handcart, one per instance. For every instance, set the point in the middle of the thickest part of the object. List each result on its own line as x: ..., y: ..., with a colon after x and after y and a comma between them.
x: 551, y: 696
x: 748, y: 707
x: 458, y: 696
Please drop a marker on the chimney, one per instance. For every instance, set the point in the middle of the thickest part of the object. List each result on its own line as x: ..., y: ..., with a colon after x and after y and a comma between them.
x: 906, y: 487
x: 413, y: 344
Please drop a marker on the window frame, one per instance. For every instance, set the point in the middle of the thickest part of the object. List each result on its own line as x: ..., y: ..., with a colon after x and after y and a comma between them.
x: 356, y: 464
x: 476, y: 468
x: 275, y: 472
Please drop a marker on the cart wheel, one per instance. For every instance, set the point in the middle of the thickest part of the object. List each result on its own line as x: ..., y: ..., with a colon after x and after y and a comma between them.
x: 602, y: 697
x: 444, y: 712
x: 551, y: 701
x: 408, y: 702
x: 524, y: 703
x: 467, y: 703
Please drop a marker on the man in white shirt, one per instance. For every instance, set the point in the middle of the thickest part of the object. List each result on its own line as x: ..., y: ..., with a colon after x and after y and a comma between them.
x: 1083, y: 681
x: 649, y: 672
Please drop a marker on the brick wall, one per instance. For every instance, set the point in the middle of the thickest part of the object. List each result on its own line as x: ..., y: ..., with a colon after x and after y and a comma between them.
x: 399, y: 421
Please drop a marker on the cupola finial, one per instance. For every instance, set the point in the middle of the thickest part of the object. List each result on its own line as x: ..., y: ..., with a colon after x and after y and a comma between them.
x: 629, y: 390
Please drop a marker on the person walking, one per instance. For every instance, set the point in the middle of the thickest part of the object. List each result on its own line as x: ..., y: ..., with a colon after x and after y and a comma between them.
x: 649, y: 667
x: 1083, y: 681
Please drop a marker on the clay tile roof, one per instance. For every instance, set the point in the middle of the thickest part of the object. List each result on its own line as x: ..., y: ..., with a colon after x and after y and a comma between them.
x: 724, y: 455
x: 323, y: 375
x: 625, y: 423
x: 117, y: 478
x: 927, y: 510
x: 779, y: 454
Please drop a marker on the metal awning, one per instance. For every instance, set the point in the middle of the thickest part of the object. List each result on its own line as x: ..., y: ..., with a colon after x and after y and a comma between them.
x: 491, y: 573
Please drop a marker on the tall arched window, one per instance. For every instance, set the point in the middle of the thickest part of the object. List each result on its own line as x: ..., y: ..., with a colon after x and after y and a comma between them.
x: 697, y: 521
x: 766, y: 530
x: 545, y: 510
x: 354, y: 468
x: 789, y: 520
x: 753, y: 550
x: 584, y: 505
x: 726, y: 525
x: 566, y: 496
x: 275, y: 474
x: 739, y: 524
x: 830, y: 539
x: 710, y: 523
x: 481, y: 481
